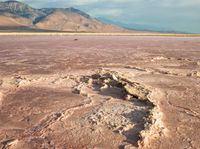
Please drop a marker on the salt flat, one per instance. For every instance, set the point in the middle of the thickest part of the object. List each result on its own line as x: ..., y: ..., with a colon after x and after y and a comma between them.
x: 99, y: 92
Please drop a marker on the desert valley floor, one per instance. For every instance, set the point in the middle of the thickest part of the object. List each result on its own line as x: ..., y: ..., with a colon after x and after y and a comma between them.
x: 101, y: 92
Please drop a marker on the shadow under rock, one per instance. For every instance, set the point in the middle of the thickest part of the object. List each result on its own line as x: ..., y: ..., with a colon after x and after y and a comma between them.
x: 137, y: 117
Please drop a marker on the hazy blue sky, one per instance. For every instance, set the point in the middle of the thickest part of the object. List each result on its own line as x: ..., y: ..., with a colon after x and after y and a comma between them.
x: 178, y: 15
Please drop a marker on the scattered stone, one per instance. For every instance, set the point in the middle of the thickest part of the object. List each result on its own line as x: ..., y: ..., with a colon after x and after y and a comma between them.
x: 137, y: 91
x: 198, y: 74
x: 104, y: 87
x: 114, y: 77
x: 128, y: 97
x: 198, y: 63
x: 160, y: 58
x: 90, y: 81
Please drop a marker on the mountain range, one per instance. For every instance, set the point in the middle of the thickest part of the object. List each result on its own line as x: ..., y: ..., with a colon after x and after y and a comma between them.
x: 17, y: 16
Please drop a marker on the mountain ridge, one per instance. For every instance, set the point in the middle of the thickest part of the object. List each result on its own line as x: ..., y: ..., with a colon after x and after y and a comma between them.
x: 52, y: 19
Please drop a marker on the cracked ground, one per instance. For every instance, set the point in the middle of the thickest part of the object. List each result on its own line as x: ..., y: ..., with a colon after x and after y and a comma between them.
x: 99, y: 92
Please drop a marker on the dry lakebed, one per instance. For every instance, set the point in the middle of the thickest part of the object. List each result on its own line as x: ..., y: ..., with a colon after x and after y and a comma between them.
x: 99, y: 92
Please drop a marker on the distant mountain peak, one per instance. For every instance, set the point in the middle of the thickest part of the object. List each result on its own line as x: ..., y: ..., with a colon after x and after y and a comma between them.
x: 70, y: 9
x: 20, y: 9
x: 56, y: 19
x: 13, y: 1
x: 12, y: 4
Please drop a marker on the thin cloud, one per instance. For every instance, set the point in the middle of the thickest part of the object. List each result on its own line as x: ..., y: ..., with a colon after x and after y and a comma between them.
x: 174, y: 15
x: 107, y: 12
